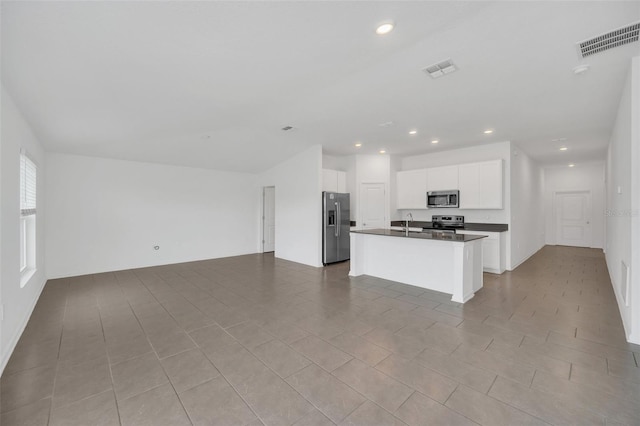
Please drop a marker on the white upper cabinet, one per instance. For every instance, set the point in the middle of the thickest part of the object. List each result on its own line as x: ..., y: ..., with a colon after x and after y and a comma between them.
x: 481, y: 185
x: 442, y: 178
x: 411, y: 189
x: 334, y: 180
x: 469, y: 185
x: 491, y: 185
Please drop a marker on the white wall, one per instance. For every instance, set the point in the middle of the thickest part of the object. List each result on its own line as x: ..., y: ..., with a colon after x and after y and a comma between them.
x: 460, y: 156
x: 298, y: 188
x: 352, y: 187
x: 107, y: 215
x: 335, y: 163
x: 582, y: 177
x: 18, y: 302
x: 394, y: 166
x: 527, y: 209
x: 623, y: 205
x: 634, y: 185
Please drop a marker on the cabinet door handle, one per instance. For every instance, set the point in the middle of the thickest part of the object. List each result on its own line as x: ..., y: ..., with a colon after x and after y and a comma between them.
x: 338, y: 220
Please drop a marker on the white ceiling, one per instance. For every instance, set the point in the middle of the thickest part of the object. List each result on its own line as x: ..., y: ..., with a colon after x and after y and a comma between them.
x: 210, y: 84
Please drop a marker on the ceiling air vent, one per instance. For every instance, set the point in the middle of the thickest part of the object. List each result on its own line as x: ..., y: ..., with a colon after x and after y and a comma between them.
x: 440, y: 69
x: 609, y: 40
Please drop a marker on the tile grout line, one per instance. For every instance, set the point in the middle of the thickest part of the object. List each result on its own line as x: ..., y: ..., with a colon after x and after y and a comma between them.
x: 451, y: 394
x: 231, y: 386
x: 634, y: 355
x: 535, y: 371
x: 490, y: 387
x: 277, y: 375
x: 55, y: 377
x: 113, y: 387
x: 570, y: 370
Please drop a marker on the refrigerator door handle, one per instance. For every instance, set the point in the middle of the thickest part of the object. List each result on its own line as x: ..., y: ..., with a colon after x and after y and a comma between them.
x: 337, y: 219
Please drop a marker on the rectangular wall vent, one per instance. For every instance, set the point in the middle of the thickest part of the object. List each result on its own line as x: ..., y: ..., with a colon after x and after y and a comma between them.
x: 615, y: 38
x: 624, y: 283
x: 440, y: 69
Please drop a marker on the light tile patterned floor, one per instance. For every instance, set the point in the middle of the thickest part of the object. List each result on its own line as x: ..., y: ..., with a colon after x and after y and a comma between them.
x: 253, y: 340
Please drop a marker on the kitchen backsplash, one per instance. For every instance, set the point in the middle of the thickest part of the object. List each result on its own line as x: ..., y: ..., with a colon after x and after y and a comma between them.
x: 475, y: 216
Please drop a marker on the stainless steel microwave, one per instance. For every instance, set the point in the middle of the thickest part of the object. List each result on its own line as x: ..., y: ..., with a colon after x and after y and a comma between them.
x: 441, y: 199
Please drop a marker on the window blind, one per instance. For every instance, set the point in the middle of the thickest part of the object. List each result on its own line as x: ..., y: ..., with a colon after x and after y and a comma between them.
x: 27, y: 186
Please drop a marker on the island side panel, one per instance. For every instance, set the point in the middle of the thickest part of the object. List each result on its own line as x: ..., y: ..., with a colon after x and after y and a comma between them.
x: 478, y: 270
x: 468, y: 276
x: 356, y: 264
x: 422, y: 263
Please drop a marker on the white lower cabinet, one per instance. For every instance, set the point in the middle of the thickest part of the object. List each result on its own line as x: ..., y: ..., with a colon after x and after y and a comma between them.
x: 493, y: 250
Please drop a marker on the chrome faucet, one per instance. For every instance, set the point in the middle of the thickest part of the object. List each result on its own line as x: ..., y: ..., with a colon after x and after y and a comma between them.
x: 406, y: 223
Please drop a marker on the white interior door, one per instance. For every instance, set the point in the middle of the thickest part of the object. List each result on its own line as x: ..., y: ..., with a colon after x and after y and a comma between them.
x: 269, y: 219
x: 372, y: 206
x: 573, y: 218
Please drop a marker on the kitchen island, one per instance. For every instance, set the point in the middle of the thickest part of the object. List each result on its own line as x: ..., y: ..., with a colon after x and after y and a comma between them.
x: 449, y: 263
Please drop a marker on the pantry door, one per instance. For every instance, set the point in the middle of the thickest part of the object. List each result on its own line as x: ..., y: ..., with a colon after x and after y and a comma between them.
x: 372, y: 206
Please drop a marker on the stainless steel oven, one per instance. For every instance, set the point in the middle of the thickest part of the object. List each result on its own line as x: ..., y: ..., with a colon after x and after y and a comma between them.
x: 441, y: 199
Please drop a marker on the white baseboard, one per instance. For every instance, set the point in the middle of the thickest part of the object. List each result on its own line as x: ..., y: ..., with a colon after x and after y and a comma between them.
x: 23, y: 324
x: 634, y: 338
x: 631, y: 336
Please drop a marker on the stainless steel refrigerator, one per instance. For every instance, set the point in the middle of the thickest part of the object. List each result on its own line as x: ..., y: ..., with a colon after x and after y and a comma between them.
x: 336, y: 212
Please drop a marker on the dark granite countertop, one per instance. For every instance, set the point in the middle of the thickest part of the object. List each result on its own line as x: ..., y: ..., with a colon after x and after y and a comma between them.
x: 440, y: 236
x: 486, y: 227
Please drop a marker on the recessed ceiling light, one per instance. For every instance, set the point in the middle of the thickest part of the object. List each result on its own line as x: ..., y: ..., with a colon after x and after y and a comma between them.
x: 358, y: 145
x: 384, y: 28
x: 564, y: 148
x: 413, y: 132
x: 488, y: 132
x: 435, y: 141
x: 382, y: 151
x: 572, y: 165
